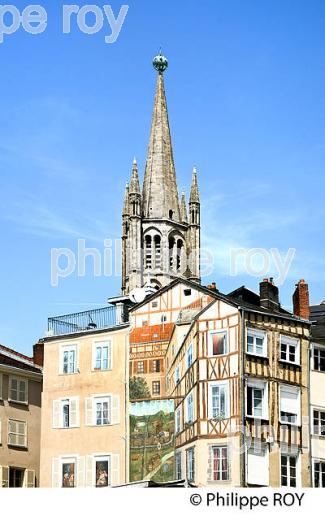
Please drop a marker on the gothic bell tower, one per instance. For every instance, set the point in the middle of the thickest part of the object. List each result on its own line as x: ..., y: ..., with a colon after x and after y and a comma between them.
x: 160, y: 234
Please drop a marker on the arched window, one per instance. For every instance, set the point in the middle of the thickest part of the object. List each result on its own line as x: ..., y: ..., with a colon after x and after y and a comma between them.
x: 171, y: 213
x: 157, y: 241
x: 171, y: 243
x: 179, y: 255
x: 148, y: 252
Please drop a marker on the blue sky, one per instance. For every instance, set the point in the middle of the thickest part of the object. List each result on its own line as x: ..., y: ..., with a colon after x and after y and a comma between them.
x: 245, y: 90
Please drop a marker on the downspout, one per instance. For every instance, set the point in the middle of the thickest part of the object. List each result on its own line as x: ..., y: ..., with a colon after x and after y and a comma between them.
x: 126, y: 406
x: 242, y: 377
x: 309, y: 418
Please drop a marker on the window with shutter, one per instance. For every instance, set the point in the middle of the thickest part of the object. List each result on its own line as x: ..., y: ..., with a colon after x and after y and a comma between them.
x: 115, y: 470
x: 115, y: 409
x: 102, y: 471
x: 56, y: 472
x: 18, y: 390
x: 4, y: 476
x: 89, y: 411
x: 290, y: 405
x: 66, y: 413
x: 258, y: 465
x: 17, y: 433
x: 29, y: 478
x: 81, y: 472
x: 89, y: 471
x: 74, y: 412
x: 56, y: 419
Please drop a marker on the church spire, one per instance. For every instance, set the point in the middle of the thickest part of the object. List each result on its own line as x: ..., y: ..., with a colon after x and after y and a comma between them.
x: 194, y: 195
x: 160, y: 194
x: 183, y: 208
x: 135, y: 185
x: 126, y: 207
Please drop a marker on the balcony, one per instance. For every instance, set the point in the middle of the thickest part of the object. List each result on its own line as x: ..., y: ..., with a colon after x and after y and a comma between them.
x: 88, y: 320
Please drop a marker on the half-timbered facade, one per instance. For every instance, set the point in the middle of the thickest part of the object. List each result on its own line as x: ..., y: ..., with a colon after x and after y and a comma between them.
x: 237, y: 368
x: 152, y: 324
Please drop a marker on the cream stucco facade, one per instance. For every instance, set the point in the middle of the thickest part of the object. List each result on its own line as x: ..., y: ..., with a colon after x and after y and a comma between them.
x: 84, y: 441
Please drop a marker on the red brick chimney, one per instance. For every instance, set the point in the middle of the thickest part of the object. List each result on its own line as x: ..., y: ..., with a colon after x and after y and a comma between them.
x: 300, y: 299
x: 38, y: 354
x: 212, y: 286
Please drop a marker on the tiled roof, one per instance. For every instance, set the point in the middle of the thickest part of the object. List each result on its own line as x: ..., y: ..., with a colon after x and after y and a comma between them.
x: 152, y: 333
x: 13, y: 358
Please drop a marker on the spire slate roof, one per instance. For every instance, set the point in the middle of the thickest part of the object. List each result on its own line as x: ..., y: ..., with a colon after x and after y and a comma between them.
x: 160, y: 194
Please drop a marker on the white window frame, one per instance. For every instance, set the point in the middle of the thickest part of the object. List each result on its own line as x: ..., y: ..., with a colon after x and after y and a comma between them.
x: 58, y: 407
x: 316, y: 346
x: 102, y: 344
x: 178, y: 465
x: 69, y: 347
x: 69, y: 460
x: 317, y: 461
x: 178, y: 374
x: 143, y: 365
x: 102, y: 458
x: 221, y: 385
x: 290, y: 341
x: 292, y: 390
x: 114, y: 409
x: 19, y: 380
x: 298, y: 469
x: 259, y: 385
x: 210, y: 342
x: 190, y: 464
x: 257, y: 334
x: 319, y: 410
x: 101, y: 400
x: 24, y: 435
x: 218, y: 447
x: 178, y: 419
x: 189, y: 401
x: 189, y: 357
x: 159, y: 386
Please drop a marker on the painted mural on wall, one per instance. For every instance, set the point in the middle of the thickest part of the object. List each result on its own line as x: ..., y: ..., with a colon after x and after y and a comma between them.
x: 152, y: 440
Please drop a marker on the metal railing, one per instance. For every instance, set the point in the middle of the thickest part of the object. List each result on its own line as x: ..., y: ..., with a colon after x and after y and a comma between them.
x: 81, y: 321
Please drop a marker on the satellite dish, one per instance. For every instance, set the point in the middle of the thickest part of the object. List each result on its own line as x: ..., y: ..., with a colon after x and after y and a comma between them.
x: 137, y: 295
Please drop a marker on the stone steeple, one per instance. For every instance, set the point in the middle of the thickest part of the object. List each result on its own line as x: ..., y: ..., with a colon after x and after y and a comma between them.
x: 183, y: 208
x: 194, y: 195
x: 135, y: 184
x: 161, y: 238
x: 160, y: 194
x: 126, y: 208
